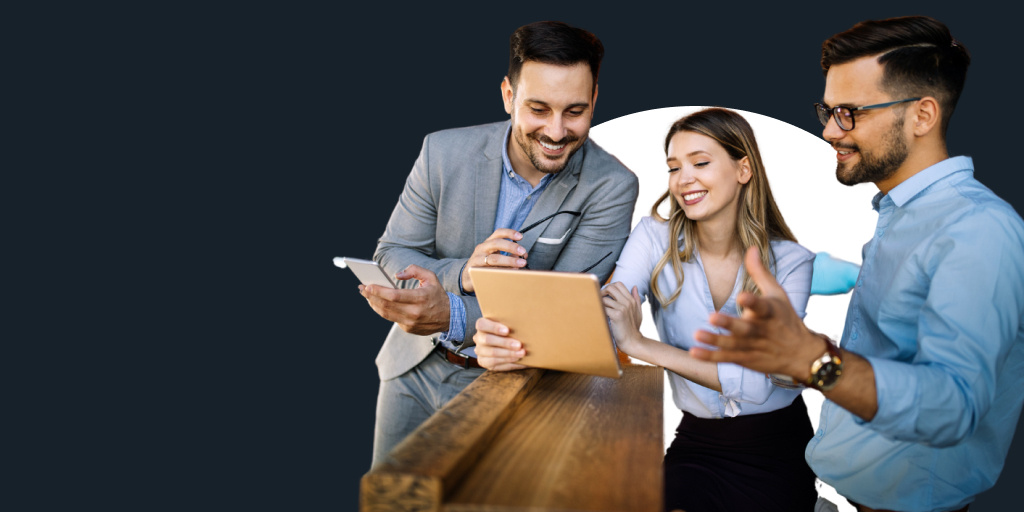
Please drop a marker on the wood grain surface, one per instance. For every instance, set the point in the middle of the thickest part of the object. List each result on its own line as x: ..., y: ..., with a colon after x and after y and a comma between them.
x: 532, y: 441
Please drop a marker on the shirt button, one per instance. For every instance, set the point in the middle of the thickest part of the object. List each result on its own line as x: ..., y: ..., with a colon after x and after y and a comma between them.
x: 529, y: 197
x: 854, y: 336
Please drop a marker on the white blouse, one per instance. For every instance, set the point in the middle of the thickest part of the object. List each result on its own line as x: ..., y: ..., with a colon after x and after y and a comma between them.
x: 743, y: 391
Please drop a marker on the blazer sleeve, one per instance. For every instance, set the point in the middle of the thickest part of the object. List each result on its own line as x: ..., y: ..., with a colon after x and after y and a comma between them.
x: 410, y: 234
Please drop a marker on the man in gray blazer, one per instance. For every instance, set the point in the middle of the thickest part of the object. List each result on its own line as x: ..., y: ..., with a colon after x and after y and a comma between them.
x: 533, y: 192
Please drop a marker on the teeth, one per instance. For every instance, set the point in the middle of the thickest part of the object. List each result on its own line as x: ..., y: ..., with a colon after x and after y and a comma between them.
x: 695, y: 195
x: 845, y: 152
x: 552, y: 147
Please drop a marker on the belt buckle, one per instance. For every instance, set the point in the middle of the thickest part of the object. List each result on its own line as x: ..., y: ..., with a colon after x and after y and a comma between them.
x: 436, y: 341
x: 465, y: 359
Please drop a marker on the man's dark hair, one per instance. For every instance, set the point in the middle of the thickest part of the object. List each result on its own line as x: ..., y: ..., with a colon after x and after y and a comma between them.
x: 919, y: 55
x: 553, y: 42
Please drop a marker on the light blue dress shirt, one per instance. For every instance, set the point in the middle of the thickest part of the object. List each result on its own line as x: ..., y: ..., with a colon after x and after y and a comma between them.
x: 937, y: 312
x: 743, y: 391
x: 516, y: 198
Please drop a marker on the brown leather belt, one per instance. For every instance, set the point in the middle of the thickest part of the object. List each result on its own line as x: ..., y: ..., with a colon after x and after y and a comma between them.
x: 457, y: 359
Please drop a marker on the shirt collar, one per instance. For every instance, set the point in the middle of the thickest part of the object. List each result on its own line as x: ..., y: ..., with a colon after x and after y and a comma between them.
x: 915, y: 184
x: 506, y: 165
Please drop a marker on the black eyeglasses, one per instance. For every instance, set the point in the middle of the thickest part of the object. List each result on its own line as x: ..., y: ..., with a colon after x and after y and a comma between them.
x: 570, y: 212
x: 553, y: 215
x: 844, y: 115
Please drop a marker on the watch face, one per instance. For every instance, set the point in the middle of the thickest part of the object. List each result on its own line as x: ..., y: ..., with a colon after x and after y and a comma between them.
x: 828, y: 373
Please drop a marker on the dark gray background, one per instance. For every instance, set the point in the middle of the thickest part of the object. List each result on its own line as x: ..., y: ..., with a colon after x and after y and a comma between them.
x: 216, y: 159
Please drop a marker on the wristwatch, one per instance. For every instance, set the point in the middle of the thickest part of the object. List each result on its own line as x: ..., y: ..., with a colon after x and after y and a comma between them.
x: 826, y: 370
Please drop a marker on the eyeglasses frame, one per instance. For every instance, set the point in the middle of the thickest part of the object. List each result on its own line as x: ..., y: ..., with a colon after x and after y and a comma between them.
x: 834, y: 112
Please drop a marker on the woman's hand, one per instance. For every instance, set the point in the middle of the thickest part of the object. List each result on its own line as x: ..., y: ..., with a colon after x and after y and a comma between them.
x: 623, y: 310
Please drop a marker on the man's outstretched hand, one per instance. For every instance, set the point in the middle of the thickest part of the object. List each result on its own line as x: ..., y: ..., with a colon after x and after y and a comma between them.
x: 768, y: 336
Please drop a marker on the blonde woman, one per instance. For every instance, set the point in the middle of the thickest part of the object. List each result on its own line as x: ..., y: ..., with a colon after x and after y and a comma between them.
x: 741, y: 441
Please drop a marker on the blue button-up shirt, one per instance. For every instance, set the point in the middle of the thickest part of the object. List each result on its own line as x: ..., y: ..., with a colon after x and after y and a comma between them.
x: 937, y: 312
x: 516, y: 198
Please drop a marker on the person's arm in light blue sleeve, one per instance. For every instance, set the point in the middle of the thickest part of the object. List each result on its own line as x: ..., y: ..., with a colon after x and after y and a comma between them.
x: 833, y: 276
x: 967, y: 326
x: 456, y: 332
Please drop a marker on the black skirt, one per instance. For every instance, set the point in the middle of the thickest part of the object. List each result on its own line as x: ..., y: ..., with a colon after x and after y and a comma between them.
x: 754, y: 462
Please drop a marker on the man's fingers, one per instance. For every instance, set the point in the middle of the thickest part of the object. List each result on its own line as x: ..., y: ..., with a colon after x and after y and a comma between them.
x: 424, y: 276
x: 511, y: 234
x: 501, y: 245
x: 737, y: 327
x: 395, y: 295
x: 492, y: 352
x: 486, y: 325
x: 394, y: 311
x: 487, y: 342
x: 758, y: 306
x: 723, y: 341
x: 722, y: 356
x: 500, y: 260
x: 764, y: 279
x: 497, y: 353
x: 504, y: 367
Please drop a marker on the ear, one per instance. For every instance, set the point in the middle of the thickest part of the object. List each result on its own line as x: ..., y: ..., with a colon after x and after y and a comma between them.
x: 507, y: 94
x: 593, y: 102
x: 744, y: 174
x: 925, y: 115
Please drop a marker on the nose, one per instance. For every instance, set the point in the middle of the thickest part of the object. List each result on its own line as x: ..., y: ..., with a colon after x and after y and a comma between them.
x: 832, y: 131
x: 683, y: 177
x: 554, y: 129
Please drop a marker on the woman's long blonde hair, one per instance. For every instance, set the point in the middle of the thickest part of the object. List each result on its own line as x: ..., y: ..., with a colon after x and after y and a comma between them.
x: 759, y: 220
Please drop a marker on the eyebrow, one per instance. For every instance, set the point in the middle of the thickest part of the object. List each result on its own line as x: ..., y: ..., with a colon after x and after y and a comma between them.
x: 573, y: 105
x: 844, y: 105
x: 669, y: 159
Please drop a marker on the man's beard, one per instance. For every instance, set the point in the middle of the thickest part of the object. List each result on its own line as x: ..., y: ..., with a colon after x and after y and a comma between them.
x: 873, y: 168
x: 538, y: 159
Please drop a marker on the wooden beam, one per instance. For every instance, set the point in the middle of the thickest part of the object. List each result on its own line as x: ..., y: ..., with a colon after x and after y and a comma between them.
x: 532, y: 441
x: 423, y: 467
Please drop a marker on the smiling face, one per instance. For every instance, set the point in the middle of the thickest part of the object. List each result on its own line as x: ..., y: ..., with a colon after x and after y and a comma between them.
x: 877, y: 146
x: 551, y: 109
x: 704, y: 179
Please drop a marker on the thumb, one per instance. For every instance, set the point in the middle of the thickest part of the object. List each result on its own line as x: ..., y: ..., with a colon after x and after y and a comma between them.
x: 636, y: 294
x: 424, y: 276
x: 764, y: 279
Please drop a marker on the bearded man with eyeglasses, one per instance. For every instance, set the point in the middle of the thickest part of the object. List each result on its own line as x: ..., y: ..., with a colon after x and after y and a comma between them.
x: 924, y: 390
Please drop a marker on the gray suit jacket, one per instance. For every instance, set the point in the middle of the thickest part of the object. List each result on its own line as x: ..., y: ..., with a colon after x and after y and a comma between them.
x: 449, y: 205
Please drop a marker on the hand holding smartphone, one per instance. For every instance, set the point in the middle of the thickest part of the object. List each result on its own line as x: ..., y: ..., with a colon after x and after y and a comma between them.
x: 368, y: 272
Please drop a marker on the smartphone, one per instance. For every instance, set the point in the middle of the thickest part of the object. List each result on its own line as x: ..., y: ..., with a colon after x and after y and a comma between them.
x: 368, y: 272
